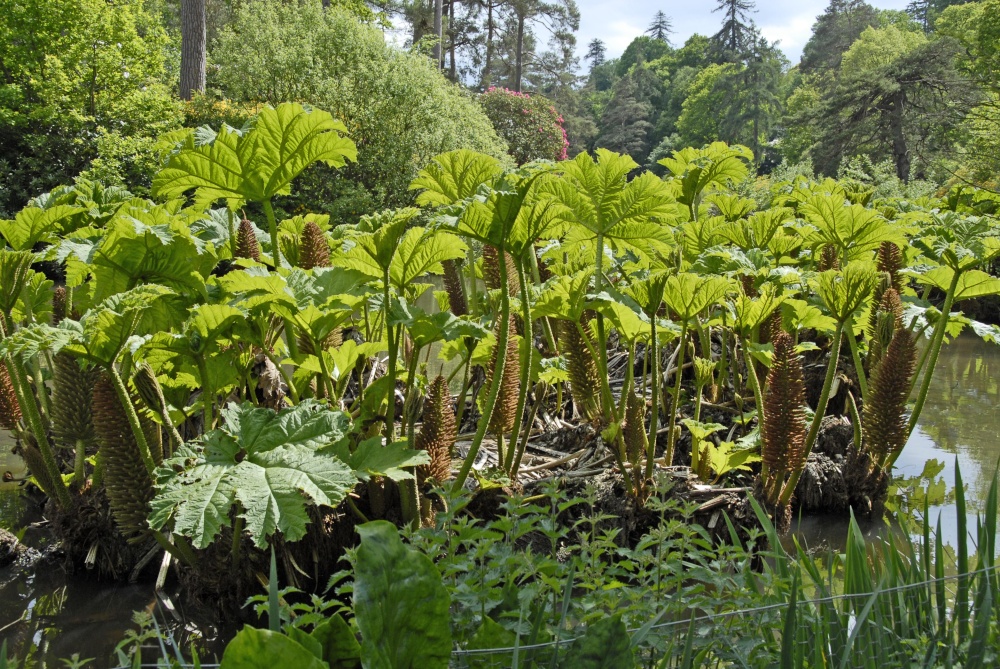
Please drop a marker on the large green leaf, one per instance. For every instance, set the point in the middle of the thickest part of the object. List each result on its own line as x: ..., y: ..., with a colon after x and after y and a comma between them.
x: 845, y: 291
x: 854, y: 230
x: 268, y: 462
x: 371, y: 458
x: 255, y: 648
x: 401, y: 605
x: 34, y: 224
x: 971, y: 283
x: 454, y: 176
x: 258, y: 164
x: 15, y: 269
x: 605, y: 645
x: 687, y: 294
x: 599, y: 199
x: 718, y: 164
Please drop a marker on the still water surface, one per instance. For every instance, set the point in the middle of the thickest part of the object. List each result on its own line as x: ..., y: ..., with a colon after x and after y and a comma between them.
x: 960, y: 421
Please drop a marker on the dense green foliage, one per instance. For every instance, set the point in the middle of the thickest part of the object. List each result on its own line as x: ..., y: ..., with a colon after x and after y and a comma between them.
x: 531, y: 126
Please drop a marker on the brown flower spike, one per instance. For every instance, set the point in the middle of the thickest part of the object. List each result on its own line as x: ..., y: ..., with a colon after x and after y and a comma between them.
x: 246, y: 242
x: 128, y: 484
x: 884, y: 415
x: 783, y: 448
x: 506, y: 405
x: 314, y: 250
x: 634, y: 429
x: 10, y: 409
x: 453, y: 285
x: 584, y: 380
x: 491, y: 270
x: 438, y: 432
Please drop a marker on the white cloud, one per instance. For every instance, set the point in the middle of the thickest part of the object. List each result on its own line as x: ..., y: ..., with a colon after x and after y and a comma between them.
x: 792, y: 34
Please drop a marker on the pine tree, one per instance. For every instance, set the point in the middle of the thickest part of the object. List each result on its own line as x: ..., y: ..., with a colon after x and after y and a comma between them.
x: 596, y: 54
x: 835, y: 31
x: 737, y: 33
x: 661, y: 28
x: 625, y: 125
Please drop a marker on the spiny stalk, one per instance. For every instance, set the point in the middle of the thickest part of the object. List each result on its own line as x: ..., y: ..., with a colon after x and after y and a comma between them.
x: 491, y: 270
x: 455, y: 288
x: 634, y: 432
x: 506, y: 405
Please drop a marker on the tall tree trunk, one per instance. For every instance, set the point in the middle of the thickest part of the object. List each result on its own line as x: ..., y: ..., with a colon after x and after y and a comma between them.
x: 490, y: 30
x: 438, y: 9
x: 451, y: 40
x: 519, y: 67
x: 900, y: 151
x: 192, y: 48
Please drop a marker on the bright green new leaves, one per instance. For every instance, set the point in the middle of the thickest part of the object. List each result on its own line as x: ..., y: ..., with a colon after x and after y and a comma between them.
x: 602, y: 203
x: 259, y: 164
x: 959, y: 242
x: 15, y: 267
x: 454, y: 176
x: 750, y: 313
x: 406, y: 254
x: 971, y: 283
x: 718, y: 164
x: 758, y: 230
x: 35, y: 224
x: 564, y: 297
x: 845, y: 291
x: 272, y: 464
x: 688, y: 294
x: 402, y: 607
x: 263, y: 649
x: 852, y: 229
x: 371, y: 458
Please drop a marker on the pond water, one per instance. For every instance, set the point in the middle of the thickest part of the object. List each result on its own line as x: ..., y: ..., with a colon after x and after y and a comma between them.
x: 961, y: 420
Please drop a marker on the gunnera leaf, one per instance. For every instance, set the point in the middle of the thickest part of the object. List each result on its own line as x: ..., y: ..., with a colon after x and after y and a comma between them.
x: 246, y: 242
x: 314, y: 250
x: 783, y: 447
x: 438, y: 431
x: 583, y: 377
x: 10, y: 409
x: 274, y: 464
x: 506, y: 405
x: 884, y: 415
x: 400, y: 603
x: 72, y: 401
x: 128, y: 484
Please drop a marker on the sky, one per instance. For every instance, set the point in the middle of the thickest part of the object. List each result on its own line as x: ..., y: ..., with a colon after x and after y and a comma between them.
x: 618, y: 22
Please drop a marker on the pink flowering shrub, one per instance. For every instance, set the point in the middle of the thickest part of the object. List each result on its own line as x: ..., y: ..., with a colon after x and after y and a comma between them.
x: 530, y: 124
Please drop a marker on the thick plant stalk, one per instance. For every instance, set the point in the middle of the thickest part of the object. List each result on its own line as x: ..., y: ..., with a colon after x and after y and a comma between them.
x: 272, y: 226
x: 231, y: 224
x: 514, y: 452
x: 654, y: 414
x: 934, y: 350
x: 668, y: 456
x: 438, y: 432
x: 314, y: 250
x: 26, y: 401
x: 859, y: 367
x: 148, y: 387
x: 393, y: 343
x: 494, y: 391
x: 784, y: 432
x: 246, y: 245
x: 139, y: 434
x: 824, y: 397
x: 884, y: 414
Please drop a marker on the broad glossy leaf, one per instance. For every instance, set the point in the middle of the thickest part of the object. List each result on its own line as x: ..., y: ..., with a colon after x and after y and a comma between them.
x: 688, y: 294
x: 564, y: 297
x: 853, y: 229
x: 33, y: 224
x: 15, y: 270
x: 402, y: 608
x: 268, y: 462
x: 371, y: 458
x: 971, y: 283
x: 454, y: 176
x: 255, y: 648
x: 752, y: 312
x: 341, y: 649
x: 697, y: 169
x: 258, y: 164
x: 845, y: 291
